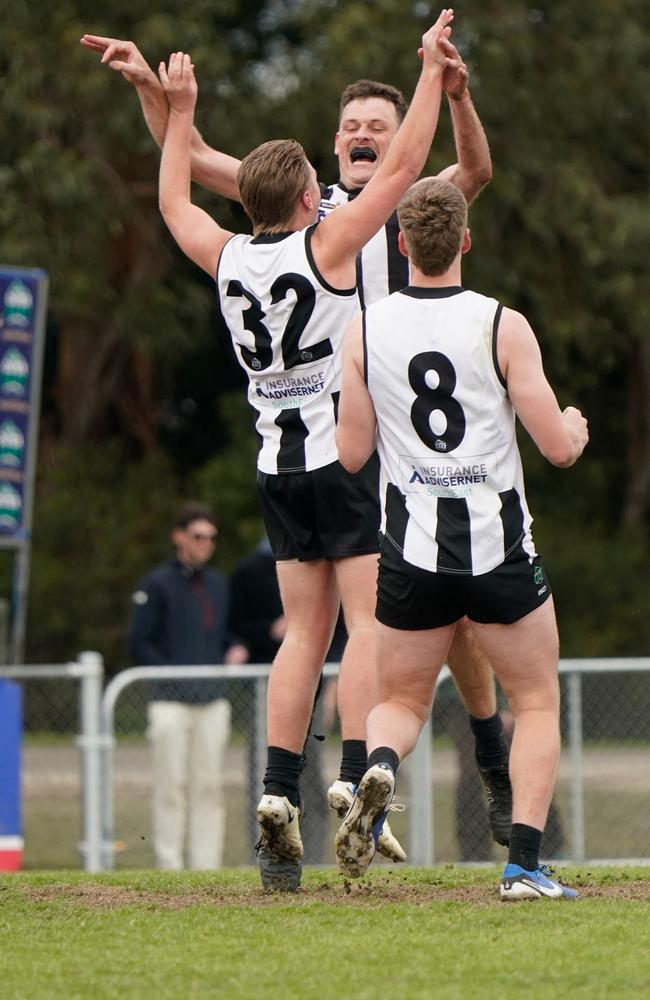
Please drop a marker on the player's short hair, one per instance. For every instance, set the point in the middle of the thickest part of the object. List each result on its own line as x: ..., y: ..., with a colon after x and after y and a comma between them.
x: 433, y: 218
x: 194, y: 511
x: 271, y: 179
x: 372, y: 88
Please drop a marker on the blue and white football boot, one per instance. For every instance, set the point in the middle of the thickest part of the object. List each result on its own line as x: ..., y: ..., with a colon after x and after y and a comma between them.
x: 517, y: 883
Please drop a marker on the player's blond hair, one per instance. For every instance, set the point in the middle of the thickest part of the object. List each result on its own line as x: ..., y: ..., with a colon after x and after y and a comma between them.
x: 271, y: 179
x: 433, y: 218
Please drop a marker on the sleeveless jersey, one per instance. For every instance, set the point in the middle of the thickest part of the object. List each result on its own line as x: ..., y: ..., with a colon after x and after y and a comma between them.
x: 452, y: 484
x: 287, y: 326
x: 381, y: 268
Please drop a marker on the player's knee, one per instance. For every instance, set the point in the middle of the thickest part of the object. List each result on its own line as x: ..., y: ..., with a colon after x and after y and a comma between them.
x: 543, y: 697
x: 416, y: 701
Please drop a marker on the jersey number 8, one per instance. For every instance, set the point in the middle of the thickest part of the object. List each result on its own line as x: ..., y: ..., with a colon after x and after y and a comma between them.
x: 428, y: 400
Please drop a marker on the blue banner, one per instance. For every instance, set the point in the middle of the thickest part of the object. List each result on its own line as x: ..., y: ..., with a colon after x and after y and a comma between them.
x: 11, y: 731
x: 23, y: 295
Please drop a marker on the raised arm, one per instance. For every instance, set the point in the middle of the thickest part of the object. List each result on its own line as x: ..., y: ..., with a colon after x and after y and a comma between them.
x: 561, y: 436
x: 357, y: 423
x: 198, y: 235
x: 210, y: 168
x: 342, y: 233
x: 474, y: 167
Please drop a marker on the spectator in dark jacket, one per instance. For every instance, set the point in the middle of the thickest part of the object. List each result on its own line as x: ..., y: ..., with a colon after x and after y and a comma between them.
x: 180, y: 612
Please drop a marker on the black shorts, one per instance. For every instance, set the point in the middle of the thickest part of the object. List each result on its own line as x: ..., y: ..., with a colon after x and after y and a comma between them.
x: 411, y: 598
x: 324, y: 514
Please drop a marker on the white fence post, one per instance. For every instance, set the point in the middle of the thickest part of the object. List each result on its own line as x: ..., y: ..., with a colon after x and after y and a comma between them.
x: 91, y: 676
x: 259, y: 756
x: 421, y: 799
x: 577, y: 776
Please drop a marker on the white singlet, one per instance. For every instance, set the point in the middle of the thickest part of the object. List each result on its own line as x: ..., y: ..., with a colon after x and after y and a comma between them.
x: 381, y: 268
x: 452, y: 484
x: 287, y: 325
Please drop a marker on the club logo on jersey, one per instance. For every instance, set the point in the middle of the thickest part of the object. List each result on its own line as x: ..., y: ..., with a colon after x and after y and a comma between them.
x: 538, y: 575
x: 453, y: 477
x: 441, y: 445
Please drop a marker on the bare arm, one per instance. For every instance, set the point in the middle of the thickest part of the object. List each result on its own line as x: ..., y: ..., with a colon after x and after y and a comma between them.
x: 199, y: 236
x: 474, y: 167
x: 210, y: 168
x: 357, y: 423
x: 342, y: 234
x: 561, y: 436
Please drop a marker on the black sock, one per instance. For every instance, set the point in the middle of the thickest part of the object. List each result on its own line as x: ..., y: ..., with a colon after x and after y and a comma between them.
x: 525, y: 842
x: 384, y: 755
x: 490, y: 746
x: 282, y: 775
x: 354, y: 760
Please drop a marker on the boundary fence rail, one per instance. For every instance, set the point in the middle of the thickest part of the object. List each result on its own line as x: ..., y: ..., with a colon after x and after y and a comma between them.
x: 96, y: 742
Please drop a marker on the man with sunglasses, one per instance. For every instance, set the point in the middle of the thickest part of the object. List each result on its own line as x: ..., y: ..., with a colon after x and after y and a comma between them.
x: 180, y: 610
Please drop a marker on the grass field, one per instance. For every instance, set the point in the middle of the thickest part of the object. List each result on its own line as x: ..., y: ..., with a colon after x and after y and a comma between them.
x: 438, y: 932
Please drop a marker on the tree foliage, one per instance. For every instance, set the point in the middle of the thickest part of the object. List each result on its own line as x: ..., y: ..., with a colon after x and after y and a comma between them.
x: 137, y: 404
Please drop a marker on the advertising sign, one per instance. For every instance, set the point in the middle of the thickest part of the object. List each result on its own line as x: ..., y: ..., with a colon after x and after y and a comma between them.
x: 23, y: 305
x: 23, y: 301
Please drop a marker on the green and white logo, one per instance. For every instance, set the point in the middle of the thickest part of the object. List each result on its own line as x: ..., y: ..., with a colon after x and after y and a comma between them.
x: 538, y: 575
x: 14, y: 373
x: 10, y: 506
x: 12, y: 444
x: 18, y: 304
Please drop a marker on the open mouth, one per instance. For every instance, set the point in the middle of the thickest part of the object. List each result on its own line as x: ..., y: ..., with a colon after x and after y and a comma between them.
x: 363, y: 153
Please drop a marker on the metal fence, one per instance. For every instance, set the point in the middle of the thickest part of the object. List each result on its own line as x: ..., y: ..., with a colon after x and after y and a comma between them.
x: 87, y: 773
x: 61, y: 760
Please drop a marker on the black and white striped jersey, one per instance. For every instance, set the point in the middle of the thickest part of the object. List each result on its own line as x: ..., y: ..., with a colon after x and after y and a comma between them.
x: 287, y: 326
x: 381, y: 268
x: 452, y: 484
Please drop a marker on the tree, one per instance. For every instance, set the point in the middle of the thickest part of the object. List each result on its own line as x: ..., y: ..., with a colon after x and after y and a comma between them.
x: 138, y: 359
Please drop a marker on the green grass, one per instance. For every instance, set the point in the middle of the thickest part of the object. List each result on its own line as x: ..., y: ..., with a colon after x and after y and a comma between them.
x: 404, y: 934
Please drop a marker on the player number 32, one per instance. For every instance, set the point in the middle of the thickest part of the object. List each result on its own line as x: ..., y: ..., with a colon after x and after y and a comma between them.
x: 252, y: 318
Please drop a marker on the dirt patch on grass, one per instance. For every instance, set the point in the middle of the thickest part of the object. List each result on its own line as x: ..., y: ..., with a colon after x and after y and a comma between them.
x: 367, y: 893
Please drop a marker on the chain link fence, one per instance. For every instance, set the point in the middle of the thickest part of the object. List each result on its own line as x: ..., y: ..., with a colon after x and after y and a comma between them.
x: 127, y: 821
x: 601, y: 809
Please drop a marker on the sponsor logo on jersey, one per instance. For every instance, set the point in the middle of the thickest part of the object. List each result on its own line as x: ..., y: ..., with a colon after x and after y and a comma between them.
x: 449, y: 477
x: 293, y: 388
x: 325, y: 208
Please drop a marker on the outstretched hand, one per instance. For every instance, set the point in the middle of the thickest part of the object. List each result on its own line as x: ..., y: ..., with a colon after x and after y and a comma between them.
x: 122, y: 56
x: 432, y: 52
x: 179, y: 82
